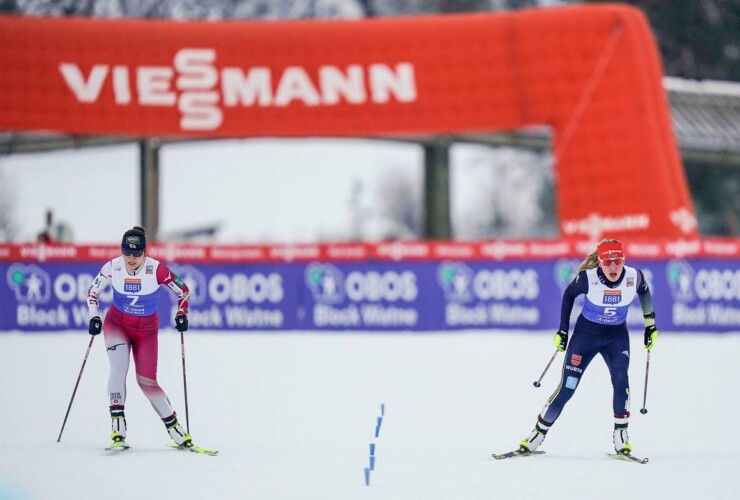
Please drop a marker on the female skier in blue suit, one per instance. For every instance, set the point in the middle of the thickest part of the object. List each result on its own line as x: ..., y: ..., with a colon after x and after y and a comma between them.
x: 609, y: 287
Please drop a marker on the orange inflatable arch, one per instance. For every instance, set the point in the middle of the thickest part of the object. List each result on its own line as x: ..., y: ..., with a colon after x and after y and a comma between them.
x: 592, y: 73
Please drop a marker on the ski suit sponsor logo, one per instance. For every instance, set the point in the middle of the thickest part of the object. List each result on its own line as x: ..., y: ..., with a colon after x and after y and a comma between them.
x: 571, y: 382
x: 202, y: 91
x: 575, y: 359
x: 132, y: 241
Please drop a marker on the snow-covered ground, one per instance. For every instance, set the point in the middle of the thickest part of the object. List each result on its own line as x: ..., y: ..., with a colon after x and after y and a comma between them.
x: 293, y: 416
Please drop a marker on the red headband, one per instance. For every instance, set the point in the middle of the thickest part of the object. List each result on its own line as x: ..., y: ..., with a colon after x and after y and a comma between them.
x: 610, y: 250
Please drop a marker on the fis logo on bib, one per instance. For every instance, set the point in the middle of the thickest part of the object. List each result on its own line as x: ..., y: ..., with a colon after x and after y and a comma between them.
x: 612, y: 296
x: 132, y: 285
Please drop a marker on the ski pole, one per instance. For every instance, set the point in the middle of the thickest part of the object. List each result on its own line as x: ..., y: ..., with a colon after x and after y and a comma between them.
x: 76, y: 385
x: 185, y: 382
x: 537, y: 382
x: 643, y: 410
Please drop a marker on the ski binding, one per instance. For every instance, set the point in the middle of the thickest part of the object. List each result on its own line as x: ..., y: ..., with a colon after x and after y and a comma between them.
x: 194, y: 448
x: 120, y: 445
x: 628, y: 458
x: 517, y: 453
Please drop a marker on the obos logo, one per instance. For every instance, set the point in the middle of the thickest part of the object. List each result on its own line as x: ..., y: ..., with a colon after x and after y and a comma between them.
x: 680, y: 276
x: 326, y: 283
x: 240, y: 288
x: 501, y: 284
x: 717, y: 284
x: 31, y: 284
x: 455, y: 278
x: 565, y: 271
x: 196, y: 282
x: 329, y: 285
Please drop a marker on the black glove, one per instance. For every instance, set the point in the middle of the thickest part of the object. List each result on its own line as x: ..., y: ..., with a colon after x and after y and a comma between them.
x: 561, y: 340
x: 651, y: 336
x: 95, y: 326
x: 181, y: 322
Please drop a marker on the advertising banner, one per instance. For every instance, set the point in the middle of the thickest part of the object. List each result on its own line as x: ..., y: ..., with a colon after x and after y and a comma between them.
x: 689, y: 294
x: 566, y: 68
x: 52, y: 296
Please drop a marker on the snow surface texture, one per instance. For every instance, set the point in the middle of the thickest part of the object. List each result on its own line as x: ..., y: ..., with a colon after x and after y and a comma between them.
x: 293, y: 416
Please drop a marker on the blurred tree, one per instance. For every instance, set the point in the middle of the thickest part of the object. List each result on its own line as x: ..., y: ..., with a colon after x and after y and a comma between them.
x: 8, y: 6
x: 399, y: 208
x: 510, y: 193
x: 357, y: 210
x: 714, y: 191
x: 698, y: 39
x: 7, y: 201
x: 55, y: 7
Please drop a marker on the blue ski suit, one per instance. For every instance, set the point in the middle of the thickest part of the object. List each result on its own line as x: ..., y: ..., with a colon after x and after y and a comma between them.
x: 600, y: 329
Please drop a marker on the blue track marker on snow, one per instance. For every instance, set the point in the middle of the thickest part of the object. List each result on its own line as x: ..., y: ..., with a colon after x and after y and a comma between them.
x: 372, y: 445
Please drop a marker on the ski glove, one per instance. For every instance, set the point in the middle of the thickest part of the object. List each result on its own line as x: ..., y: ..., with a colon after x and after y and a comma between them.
x: 561, y: 340
x: 181, y: 322
x: 651, y: 336
x: 96, y: 325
